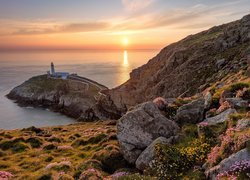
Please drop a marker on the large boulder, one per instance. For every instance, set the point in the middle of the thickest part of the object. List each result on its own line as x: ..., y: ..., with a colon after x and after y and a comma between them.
x: 149, y: 153
x: 138, y: 128
x: 226, y: 164
x: 191, y: 112
x: 222, y: 117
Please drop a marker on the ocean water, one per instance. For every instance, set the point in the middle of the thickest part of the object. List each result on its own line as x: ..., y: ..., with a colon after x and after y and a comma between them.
x: 110, y: 68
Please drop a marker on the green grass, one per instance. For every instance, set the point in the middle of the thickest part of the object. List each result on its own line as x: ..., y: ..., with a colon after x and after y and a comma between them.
x: 27, y: 153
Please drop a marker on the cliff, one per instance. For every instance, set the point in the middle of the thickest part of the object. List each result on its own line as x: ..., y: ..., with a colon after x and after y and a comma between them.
x: 73, y: 98
x: 189, y: 66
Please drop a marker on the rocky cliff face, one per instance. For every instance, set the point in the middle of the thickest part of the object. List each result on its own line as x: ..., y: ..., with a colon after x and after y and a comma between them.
x: 188, y: 66
x: 72, y: 98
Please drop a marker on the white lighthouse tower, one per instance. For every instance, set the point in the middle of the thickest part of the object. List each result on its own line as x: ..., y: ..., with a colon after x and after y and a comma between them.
x: 52, y: 68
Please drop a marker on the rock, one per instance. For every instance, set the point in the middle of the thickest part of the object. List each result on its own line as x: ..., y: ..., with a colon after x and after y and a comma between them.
x: 237, y: 103
x: 184, y: 66
x: 191, y: 112
x: 69, y: 97
x: 225, y: 164
x: 208, y: 100
x: 149, y: 153
x: 160, y: 102
x: 220, y: 63
x: 243, y: 124
x: 139, y: 127
x: 222, y: 117
x: 225, y: 94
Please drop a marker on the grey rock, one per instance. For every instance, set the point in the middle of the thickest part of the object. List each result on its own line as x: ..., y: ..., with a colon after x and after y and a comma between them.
x: 139, y: 127
x: 222, y: 117
x: 149, y: 154
x: 243, y: 124
x: 220, y: 63
x: 237, y: 103
x: 208, y: 100
x: 225, y: 164
x: 191, y: 112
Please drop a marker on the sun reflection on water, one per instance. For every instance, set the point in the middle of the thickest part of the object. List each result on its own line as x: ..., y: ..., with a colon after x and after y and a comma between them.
x: 125, y: 68
x: 125, y: 59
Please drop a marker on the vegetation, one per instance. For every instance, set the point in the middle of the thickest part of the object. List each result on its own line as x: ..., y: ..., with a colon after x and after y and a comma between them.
x: 44, y: 153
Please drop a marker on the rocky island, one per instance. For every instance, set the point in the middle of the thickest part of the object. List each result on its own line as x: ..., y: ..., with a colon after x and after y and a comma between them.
x: 183, y: 115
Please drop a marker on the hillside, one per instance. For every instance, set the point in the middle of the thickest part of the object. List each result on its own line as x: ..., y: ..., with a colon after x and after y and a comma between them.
x: 189, y: 66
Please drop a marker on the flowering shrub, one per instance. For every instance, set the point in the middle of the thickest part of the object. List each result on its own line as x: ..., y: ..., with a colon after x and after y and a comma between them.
x: 172, y: 162
x: 239, y: 169
x: 231, y: 142
x: 4, y: 175
x: 119, y: 174
x: 224, y: 106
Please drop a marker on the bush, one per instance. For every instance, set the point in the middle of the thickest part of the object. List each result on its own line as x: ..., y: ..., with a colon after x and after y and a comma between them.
x: 172, y: 162
x: 19, y: 147
x: 34, y: 142
x: 238, y: 86
x: 15, y: 145
x: 49, y: 147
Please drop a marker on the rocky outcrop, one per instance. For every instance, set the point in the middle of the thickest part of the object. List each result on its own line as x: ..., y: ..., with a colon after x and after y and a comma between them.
x: 70, y: 97
x: 243, y: 124
x: 222, y: 117
x: 227, y: 163
x: 237, y: 103
x: 191, y: 112
x: 188, y: 66
x: 149, y: 153
x: 138, y: 128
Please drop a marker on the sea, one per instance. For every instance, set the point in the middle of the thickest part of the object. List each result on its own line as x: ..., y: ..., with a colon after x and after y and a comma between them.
x: 110, y: 68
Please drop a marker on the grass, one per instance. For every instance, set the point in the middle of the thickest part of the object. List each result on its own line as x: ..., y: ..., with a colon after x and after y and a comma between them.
x: 27, y: 153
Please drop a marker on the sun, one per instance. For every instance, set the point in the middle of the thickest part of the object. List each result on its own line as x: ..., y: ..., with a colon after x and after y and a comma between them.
x: 125, y: 41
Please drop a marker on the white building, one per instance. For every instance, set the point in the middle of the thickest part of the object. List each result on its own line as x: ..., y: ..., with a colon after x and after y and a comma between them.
x: 53, y: 73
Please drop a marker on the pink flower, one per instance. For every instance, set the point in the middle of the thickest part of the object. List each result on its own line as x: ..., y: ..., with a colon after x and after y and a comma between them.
x: 203, y: 123
x: 4, y: 175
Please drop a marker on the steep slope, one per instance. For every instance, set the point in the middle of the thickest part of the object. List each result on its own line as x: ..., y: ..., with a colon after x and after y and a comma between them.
x: 188, y: 66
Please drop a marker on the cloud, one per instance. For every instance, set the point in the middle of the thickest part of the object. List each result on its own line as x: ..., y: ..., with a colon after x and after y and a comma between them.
x: 52, y: 28
x: 134, y: 5
x: 199, y: 16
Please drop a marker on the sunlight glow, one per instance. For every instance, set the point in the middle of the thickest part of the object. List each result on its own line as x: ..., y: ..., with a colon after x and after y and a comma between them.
x: 125, y: 41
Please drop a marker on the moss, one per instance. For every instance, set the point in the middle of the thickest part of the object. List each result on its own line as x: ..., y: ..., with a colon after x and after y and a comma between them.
x: 45, y: 177
x: 79, y: 142
x: 50, y: 147
x: 49, y: 159
x: 34, y: 142
x: 238, y: 86
x: 97, y: 139
x: 19, y: 147
x: 55, y: 139
x: 15, y: 145
x: 190, y: 130
x: 33, y: 129
x: 180, y: 102
x: 194, y: 175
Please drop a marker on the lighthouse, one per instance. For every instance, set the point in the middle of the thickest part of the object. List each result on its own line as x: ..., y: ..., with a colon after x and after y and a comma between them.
x: 52, y: 68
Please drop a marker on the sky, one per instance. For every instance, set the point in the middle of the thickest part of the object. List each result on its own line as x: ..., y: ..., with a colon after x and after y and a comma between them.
x: 109, y: 24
